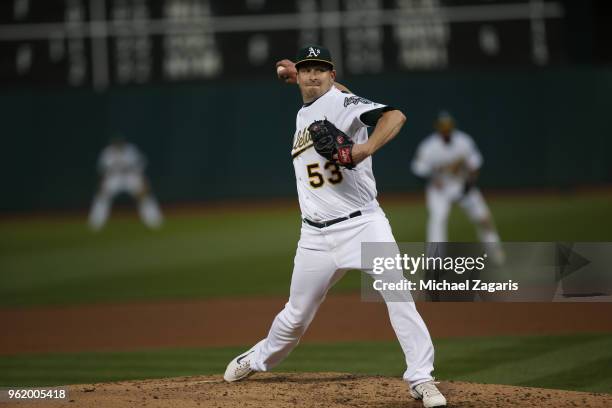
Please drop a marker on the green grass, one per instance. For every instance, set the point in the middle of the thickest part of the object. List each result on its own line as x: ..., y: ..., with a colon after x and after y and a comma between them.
x: 232, y: 253
x: 578, y: 362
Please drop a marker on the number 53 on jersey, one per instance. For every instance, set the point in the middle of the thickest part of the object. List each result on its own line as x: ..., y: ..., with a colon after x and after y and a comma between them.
x: 318, y: 177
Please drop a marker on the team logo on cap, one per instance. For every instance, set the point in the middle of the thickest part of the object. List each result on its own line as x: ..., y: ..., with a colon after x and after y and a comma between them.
x: 313, y: 52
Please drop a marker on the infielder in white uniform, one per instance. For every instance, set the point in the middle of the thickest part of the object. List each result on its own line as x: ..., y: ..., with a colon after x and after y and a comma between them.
x: 121, y: 166
x: 339, y: 211
x: 450, y: 161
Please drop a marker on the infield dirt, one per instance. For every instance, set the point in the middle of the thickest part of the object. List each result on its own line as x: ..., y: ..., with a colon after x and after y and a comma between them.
x: 333, y: 390
x: 199, y: 323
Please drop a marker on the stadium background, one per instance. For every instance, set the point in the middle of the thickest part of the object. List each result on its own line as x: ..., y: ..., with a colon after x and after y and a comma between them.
x: 218, y: 149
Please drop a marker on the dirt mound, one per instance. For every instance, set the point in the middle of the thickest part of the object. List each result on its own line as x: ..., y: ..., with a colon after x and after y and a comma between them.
x: 267, y: 390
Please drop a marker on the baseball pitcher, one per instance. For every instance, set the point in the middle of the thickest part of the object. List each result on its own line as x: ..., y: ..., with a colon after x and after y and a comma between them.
x: 331, y: 154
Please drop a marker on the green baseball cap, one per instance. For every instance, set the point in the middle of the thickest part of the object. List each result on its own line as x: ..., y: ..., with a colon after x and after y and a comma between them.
x: 314, y: 53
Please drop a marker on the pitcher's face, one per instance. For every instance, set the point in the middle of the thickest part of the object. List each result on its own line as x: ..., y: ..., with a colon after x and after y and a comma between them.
x: 314, y: 79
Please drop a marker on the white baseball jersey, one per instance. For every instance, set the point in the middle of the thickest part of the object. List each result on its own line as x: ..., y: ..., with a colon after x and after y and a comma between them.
x: 120, y: 160
x: 434, y: 153
x: 327, y: 191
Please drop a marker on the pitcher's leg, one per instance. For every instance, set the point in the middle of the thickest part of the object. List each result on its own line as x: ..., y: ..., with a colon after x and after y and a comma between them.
x: 410, y: 330
x: 414, y: 338
x: 313, y: 274
x: 406, y: 321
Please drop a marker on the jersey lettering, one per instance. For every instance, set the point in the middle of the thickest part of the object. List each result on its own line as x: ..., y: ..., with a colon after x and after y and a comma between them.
x: 302, y: 142
x: 355, y: 100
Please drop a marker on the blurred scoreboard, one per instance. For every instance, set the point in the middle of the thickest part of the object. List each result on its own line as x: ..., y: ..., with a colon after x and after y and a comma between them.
x: 114, y: 42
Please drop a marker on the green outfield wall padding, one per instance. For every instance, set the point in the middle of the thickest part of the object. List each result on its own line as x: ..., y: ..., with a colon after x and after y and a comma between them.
x: 216, y: 140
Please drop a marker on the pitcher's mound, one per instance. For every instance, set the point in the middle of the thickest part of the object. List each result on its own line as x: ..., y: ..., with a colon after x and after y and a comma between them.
x: 325, y: 390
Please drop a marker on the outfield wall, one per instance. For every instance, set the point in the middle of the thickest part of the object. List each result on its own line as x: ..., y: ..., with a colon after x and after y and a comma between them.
x: 213, y: 140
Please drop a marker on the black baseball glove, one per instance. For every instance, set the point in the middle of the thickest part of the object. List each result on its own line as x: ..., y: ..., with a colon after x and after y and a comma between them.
x: 331, y: 143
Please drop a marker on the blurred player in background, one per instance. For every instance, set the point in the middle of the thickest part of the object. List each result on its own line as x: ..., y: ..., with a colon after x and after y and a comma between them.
x: 450, y: 161
x: 121, y: 166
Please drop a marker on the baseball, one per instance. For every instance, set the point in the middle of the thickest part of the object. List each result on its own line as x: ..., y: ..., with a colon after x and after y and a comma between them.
x: 281, y: 71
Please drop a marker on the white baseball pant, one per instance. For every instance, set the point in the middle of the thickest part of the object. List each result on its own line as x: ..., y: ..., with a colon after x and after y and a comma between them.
x: 131, y: 183
x: 439, y: 204
x: 323, y: 256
